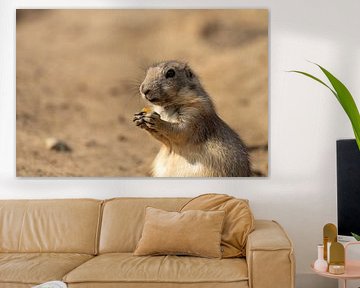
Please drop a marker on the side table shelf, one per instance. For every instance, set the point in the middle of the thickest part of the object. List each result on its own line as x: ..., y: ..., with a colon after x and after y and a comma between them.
x: 352, y: 268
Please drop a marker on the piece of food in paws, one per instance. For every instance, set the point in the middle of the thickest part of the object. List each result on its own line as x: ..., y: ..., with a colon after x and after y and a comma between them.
x: 147, y: 110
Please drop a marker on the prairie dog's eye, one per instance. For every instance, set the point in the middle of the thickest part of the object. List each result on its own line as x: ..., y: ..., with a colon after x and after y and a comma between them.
x: 170, y: 73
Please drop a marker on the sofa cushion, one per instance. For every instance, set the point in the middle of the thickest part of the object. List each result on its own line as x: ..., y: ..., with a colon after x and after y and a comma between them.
x: 194, y: 232
x: 238, y: 223
x: 32, y: 226
x: 126, y: 268
x: 123, y: 220
x: 36, y: 268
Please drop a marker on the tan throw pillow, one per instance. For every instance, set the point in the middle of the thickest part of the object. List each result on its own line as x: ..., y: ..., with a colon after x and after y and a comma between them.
x: 196, y: 233
x: 238, y: 223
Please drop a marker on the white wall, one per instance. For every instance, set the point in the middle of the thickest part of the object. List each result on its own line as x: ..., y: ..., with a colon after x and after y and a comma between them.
x: 305, y: 121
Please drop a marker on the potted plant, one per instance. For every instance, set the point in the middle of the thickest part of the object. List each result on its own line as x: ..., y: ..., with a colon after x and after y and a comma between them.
x: 348, y: 157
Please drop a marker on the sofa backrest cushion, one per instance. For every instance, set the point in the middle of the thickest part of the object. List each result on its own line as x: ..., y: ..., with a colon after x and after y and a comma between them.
x: 238, y: 224
x: 123, y: 221
x: 68, y: 225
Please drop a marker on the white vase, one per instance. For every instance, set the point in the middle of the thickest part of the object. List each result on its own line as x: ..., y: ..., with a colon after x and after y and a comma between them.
x: 320, y: 264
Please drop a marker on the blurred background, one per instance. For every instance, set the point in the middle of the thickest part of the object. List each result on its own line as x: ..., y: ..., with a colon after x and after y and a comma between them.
x: 78, y: 73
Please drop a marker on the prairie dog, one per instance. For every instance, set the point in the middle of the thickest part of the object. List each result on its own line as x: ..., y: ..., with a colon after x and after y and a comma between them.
x: 196, y: 141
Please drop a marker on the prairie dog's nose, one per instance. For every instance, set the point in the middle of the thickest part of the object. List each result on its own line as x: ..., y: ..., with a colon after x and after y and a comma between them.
x: 144, y: 90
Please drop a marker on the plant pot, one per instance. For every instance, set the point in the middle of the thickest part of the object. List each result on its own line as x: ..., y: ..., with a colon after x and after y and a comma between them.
x: 348, y: 187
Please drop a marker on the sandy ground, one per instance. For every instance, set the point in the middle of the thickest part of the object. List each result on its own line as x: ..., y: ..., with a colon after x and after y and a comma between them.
x: 78, y: 73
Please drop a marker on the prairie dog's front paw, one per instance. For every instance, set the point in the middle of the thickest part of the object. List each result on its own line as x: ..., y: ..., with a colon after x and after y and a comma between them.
x: 152, y: 121
x: 139, y: 119
x: 148, y: 121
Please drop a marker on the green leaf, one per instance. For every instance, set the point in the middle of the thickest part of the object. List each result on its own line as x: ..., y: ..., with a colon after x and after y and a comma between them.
x: 347, y: 102
x: 357, y: 237
x: 357, y: 137
x: 344, y: 97
x: 316, y: 79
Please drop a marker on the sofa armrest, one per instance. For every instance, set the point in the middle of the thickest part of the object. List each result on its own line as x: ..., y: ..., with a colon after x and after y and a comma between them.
x: 270, y: 257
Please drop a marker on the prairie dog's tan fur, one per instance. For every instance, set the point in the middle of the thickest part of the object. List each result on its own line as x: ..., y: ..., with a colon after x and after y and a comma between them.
x: 196, y: 141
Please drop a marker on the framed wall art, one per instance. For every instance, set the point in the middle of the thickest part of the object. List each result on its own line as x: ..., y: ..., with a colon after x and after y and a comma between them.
x: 146, y: 93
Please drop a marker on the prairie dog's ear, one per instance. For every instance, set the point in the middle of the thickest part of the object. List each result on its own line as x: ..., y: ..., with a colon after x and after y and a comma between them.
x: 188, y: 72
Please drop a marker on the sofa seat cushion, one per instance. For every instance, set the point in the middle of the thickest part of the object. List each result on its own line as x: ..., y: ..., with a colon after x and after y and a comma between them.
x: 124, y: 267
x: 36, y: 268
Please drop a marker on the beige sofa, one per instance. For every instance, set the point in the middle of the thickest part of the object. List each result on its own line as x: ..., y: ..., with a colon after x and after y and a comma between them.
x: 89, y: 243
